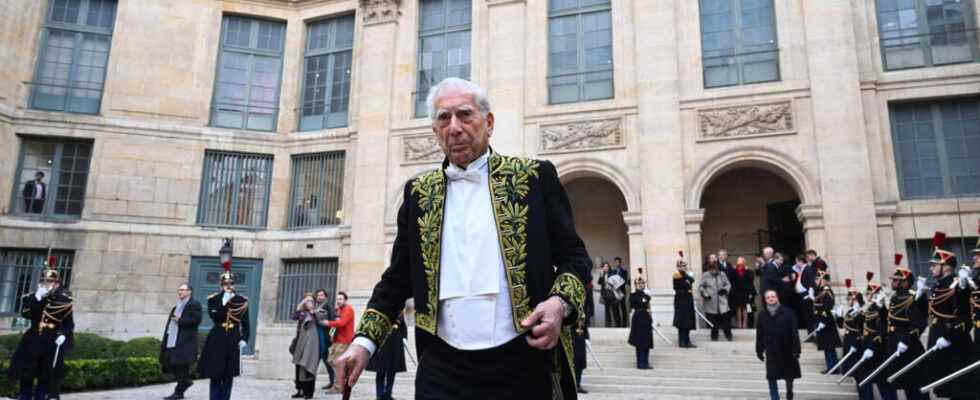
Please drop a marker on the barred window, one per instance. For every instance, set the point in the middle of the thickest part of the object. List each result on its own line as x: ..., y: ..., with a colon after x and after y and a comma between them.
x: 444, y: 45
x: 580, y: 61
x: 316, y: 196
x: 925, y: 33
x: 235, y: 189
x: 51, y: 177
x: 937, y: 147
x: 246, y: 93
x: 74, y: 52
x: 738, y: 42
x: 301, y: 276
x: 326, y: 81
x: 20, y: 272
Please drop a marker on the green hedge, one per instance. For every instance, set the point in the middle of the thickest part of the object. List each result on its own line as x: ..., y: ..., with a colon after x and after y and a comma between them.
x: 102, y: 374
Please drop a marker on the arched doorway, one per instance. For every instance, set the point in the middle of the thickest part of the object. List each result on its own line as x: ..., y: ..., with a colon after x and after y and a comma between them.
x: 747, y: 208
x: 598, y: 207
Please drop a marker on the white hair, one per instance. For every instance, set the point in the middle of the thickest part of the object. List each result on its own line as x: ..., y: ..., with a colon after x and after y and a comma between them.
x: 479, y: 95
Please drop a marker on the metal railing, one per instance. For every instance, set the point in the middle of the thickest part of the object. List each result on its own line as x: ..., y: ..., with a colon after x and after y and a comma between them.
x: 20, y: 271
x: 923, y: 49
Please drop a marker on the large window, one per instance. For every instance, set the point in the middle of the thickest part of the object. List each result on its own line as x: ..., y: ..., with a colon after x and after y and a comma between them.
x: 444, y: 45
x: 235, y: 189
x: 580, y: 61
x: 937, y: 148
x: 922, y: 33
x: 326, y: 83
x: 738, y: 42
x: 317, y: 190
x: 20, y: 271
x: 920, y: 252
x: 51, y: 177
x: 301, y: 276
x: 246, y: 93
x: 74, y: 52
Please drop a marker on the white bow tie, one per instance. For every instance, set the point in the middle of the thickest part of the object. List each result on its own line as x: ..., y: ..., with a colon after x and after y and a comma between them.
x: 455, y: 174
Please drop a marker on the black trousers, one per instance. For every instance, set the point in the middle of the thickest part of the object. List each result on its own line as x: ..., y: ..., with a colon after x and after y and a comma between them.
x: 643, y: 357
x: 514, y: 370
x: 614, y: 314
x: 183, y: 375
x: 720, y: 322
x: 624, y: 320
x: 305, y: 382
x: 683, y: 336
x: 29, y: 391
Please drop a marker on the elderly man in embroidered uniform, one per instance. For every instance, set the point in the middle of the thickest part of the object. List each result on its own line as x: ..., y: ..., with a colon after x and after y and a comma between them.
x: 487, y: 248
x: 41, y: 352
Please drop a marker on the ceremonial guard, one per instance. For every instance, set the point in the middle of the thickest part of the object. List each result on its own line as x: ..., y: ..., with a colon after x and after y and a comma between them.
x: 875, y: 345
x: 853, y: 323
x: 684, y: 318
x: 907, y: 312
x: 41, y: 352
x: 975, y: 311
x: 828, y: 339
x: 221, y: 357
x: 641, y: 324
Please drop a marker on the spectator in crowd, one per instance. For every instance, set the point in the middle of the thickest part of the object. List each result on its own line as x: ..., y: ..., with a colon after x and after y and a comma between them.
x: 324, y: 312
x: 344, y: 326
x: 743, y: 292
x: 305, y: 348
x: 777, y: 343
x: 624, y: 290
x: 178, y: 350
x: 611, y: 296
x: 714, y: 289
x: 34, y: 193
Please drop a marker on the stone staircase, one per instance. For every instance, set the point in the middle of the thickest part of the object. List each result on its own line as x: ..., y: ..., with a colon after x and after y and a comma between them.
x: 715, y: 370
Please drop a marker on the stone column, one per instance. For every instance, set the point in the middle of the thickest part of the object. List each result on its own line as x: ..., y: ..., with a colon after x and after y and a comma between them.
x: 634, y: 232
x: 505, y: 65
x: 659, y: 137
x: 373, y: 69
x: 841, y: 145
x: 692, y: 227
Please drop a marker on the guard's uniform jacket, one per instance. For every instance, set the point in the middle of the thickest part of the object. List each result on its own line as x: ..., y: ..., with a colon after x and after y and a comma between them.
x: 50, y: 317
x: 823, y: 304
x: 853, y: 324
x: 947, y: 320
x: 641, y: 328
x: 874, y: 339
x: 683, y: 301
x: 220, y: 356
x: 906, y: 322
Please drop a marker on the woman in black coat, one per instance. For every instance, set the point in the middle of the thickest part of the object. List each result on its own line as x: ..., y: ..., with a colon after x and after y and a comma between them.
x: 579, y: 356
x: 389, y: 360
x: 777, y: 342
x: 683, y: 305
x: 641, y: 328
x: 743, y: 292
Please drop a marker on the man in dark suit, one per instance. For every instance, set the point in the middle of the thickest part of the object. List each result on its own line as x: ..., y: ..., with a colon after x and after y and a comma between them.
x: 34, y: 193
x: 771, y: 275
x: 624, y: 273
x: 178, y: 350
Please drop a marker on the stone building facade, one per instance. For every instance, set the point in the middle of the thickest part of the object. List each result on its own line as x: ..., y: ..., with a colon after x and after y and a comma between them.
x: 654, y: 162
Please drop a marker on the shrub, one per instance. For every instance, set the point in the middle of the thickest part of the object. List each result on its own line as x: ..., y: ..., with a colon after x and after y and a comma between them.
x: 90, y: 346
x: 101, y: 374
x: 140, y: 347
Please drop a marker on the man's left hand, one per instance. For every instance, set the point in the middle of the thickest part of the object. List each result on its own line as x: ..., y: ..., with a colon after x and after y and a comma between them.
x: 545, y: 323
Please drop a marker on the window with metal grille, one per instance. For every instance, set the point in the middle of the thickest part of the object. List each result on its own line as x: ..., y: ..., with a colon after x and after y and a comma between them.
x: 301, y: 276
x: 580, y: 60
x: 51, y: 177
x: 444, y: 45
x: 20, y: 272
x: 738, y: 42
x: 246, y: 92
x: 925, y: 33
x: 316, y: 196
x: 235, y: 189
x: 71, y: 64
x: 937, y: 147
x: 920, y: 252
x: 326, y: 81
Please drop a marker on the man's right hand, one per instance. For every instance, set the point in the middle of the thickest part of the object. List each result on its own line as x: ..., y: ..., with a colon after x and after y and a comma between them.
x: 350, y: 365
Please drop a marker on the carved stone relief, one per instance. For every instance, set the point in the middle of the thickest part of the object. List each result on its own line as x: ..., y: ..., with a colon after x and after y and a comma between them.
x: 421, y: 149
x: 756, y: 119
x: 584, y: 135
x: 378, y: 11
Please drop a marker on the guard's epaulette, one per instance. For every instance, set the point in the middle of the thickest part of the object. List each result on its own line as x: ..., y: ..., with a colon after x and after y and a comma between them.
x: 246, y: 298
x: 27, y: 295
x: 213, y: 294
x: 678, y: 275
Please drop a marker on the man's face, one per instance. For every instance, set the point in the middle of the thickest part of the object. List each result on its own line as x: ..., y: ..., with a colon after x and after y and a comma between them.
x: 712, y: 258
x: 937, y: 270
x: 321, y: 297
x: 463, y: 132
x: 810, y: 258
x: 183, y: 292
x: 641, y: 285
x: 340, y: 300
x: 976, y: 259
x: 38, y: 177
x: 228, y: 286
x: 619, y: 263
x: 51, y: 284
x: 723, y: 255
x: 771, y: 298
x: 767, y: 253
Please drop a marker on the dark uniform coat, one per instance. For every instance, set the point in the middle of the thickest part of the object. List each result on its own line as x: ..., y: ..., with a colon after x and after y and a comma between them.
x: 743, y: 288
x: 641, y: 328
x: 578, y: 347
x: 50, y: 317
x: 390, y: 357
x: 853, y: 324
x: 543, y: 256
x: 777, y: 337
x: 906, y: 321
x: 946, y: 320
x: 185, y: 352
x: 683, y: 301
x: 975, y: 311
x: 875, y: 325
x: 220, y: 357
x: 823, y: 304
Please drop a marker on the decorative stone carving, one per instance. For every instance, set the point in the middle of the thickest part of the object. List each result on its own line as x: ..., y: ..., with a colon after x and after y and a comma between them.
x: 421, y: 149
x: 756, y: 119
x: 586, y: 135
x: 379, y: 11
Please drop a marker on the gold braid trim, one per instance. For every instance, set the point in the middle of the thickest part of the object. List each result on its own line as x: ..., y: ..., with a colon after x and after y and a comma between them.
x: 430, y: 192
x: 570, y: 288
x: 939, y: 297
x: 375, y: 326
x: 899, y: 310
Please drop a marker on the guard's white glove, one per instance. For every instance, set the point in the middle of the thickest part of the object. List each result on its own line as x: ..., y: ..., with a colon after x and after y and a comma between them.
x: 41, y: 292
x: 60, y: 340
x: 868, y: 354
x: 241, y: 344
x: 855, y: 309
x: 964, y: 274
x: 689, y: 273
x: 820, y: 327
x: 799, y: 288
x: 920, y: 287
x: 942, y: 343
x: 901, y: 347
x: 838, y: 312
x: 880, y: 300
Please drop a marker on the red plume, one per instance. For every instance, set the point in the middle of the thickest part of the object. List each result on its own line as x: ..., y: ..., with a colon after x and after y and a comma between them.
x: 680, y: 253
x: 226, y: 265
x: 938, y: 239
x: 52, y: 261
x: 868, y: 275
x: 898, y: 259
x: 847, y: 283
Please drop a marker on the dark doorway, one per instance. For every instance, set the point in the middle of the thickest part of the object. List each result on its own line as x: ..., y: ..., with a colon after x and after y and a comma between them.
x: 785, y: 229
